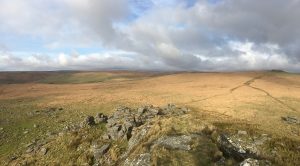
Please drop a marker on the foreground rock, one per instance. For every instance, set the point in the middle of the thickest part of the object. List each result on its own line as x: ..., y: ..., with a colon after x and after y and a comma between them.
x: 136, y: 126
x: 153, y: 136
x: 241, y: 146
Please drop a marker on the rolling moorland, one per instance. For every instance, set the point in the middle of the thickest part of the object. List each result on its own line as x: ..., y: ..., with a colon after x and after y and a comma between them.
x: 38, y: 106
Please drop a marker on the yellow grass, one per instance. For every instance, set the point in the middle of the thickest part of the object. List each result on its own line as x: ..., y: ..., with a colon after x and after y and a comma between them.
x: 258, y: 98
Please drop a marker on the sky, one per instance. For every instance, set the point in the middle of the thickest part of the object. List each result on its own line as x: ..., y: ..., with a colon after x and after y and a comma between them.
x: 160, y: 35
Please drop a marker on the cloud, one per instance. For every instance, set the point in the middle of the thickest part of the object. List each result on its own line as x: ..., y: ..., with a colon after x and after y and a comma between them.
x: 153, y: 35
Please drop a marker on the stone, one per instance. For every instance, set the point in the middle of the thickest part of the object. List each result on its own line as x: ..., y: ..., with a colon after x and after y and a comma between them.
x: 101, y: 118
x: 98, y: 152
x: 171, y: 106
x: 104, y: 148
x: 25, y: 132
x: 175, y: 142
x: 88, y: 121
x: 137, y: 136
x: 250, y: 162
x: 171, y: 109
x: 291, y: 119
x: 185, y: 109
x: 231, y: 148
x: 240, y: 132
x: 106, y: 137
x: 43, y: 151
x: 35, y: 125
x: 140, y: 160
x: 241, y: 146
x: 111, y: 122
x: 141, y: 110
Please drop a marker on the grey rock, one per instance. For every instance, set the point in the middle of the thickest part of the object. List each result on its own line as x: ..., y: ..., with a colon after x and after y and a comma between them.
x: 250, y: 162
x: 111, y: 122
x: 98, y: 152
x: 140, y: 160
x: 137, y: 136
x: 43, y: 151
x: 88, y: 121
x: 175, y: 142
x: 101, y: 118
x: 104, y: 149
x: 185, y: 110
x: 116, y: 132
x: 141, y: 110
x: 171, y: 109
x: 240, y: 132
x: 241, y: 146
x: 291, y: 119
x: 106, y: 137
x: 231, y: 148
x: 171, y: 106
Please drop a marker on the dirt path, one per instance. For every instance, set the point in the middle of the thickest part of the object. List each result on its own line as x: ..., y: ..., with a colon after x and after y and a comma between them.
x: 248, y: 84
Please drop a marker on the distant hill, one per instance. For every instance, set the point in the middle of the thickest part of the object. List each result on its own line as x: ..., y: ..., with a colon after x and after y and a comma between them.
x: 65, y: 77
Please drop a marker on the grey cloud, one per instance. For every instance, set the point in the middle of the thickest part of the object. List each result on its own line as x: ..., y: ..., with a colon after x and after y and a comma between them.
x: 271, y: 21
x: 226, y: 35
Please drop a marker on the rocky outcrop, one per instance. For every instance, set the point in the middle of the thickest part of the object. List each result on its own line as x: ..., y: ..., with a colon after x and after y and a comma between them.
x: 121, y: 124
x: 146, y: 136
x: 134, y: 125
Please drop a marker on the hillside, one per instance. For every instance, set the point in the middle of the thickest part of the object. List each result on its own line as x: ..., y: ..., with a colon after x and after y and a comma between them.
x: 39, y: 106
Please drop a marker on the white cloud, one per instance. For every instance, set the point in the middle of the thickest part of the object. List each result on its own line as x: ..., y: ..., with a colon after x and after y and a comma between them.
x: 227, y: 35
